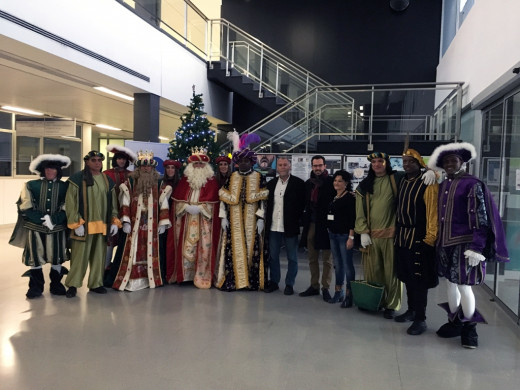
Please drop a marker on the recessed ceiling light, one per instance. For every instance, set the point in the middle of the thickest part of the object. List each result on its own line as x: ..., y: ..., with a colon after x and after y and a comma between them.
x: 118, y: 94
x: 22, y: 110
x: 107, y: 127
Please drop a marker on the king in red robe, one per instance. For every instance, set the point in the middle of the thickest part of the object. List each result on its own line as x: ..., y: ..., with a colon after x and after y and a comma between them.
x: 193, y: 239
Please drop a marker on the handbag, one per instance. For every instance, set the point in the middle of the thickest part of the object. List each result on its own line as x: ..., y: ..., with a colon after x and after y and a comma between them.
x: 367, y: 295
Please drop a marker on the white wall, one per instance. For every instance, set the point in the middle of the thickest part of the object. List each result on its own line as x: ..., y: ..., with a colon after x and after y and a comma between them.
x: 109, y: 29
x: 484, y: 48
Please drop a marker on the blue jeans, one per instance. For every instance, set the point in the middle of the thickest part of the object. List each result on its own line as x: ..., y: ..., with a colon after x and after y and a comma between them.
x: 291, y: 247
x: 343, y: 263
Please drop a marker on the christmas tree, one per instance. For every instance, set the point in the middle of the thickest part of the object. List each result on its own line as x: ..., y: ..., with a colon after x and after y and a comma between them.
x: 194, y: 132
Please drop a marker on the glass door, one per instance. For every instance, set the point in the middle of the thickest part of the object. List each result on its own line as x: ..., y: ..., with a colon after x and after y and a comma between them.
x: 508, y: 289
x: 501, y: 172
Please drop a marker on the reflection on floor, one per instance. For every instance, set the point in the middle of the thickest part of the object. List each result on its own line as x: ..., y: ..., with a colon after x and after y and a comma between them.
x: 179, y: 337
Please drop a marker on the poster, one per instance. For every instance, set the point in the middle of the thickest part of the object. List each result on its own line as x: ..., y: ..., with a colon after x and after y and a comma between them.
x: 358, y: 167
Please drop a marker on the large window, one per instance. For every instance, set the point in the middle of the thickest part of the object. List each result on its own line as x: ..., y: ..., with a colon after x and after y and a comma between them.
x: 30, y: 144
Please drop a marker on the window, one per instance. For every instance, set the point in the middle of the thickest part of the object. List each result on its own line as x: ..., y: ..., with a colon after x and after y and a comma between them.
x: 454, y: 12
x: 35, y: 136
x: 6, y: 142
x: 27, y: 148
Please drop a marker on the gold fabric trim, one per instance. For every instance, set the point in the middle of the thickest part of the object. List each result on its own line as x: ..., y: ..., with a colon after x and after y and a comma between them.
x: 238, y: 243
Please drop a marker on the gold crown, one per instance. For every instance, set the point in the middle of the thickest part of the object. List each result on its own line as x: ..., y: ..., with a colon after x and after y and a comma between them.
x: 199, y: 150
x: 145, y: 157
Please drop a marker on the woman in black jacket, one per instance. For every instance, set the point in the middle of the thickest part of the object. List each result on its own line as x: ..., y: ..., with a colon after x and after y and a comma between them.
x: 340, y: 224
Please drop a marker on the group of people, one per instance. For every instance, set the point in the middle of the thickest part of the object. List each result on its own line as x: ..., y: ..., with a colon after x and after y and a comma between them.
x: 414, y: 230
x: 227, y: 229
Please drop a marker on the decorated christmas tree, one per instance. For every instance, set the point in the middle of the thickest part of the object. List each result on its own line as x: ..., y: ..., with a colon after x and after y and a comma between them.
x: 194, y: 132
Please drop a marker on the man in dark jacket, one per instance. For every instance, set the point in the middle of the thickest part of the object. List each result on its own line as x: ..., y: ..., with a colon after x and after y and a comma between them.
x: 319, y: 192
x: 285, y: 206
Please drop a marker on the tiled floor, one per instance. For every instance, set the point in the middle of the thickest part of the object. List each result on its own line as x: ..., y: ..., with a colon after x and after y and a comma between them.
x: 179, y: 337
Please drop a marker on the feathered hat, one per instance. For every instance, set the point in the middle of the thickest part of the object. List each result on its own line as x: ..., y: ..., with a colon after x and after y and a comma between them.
x: 464, y: 150
x: 243, y: 150
x: 121, y: 151
x: 56, y: 161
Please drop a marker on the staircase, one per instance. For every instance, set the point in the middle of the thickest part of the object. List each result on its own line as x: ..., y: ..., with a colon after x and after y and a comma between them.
x: 237, y: 82
x: 306, y: 110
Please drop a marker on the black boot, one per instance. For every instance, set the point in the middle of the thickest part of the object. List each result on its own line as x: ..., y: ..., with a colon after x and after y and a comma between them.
x: 36, y: 283
x: 57, y: 288
x: 453, y: 327
x: 469, y: 336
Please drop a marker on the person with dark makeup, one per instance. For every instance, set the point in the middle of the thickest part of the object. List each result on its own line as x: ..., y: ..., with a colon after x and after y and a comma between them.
x: 416, y: 232
x: 470, y: 234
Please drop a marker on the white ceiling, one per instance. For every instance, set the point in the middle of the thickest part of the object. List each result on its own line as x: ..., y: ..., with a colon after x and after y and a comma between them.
x: 37, y: 80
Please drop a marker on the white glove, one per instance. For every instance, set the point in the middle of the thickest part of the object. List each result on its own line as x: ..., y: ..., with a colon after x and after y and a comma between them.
x: 162, y: 229
x: 192, y: 209
x: 80, y: 231
x: 127, y: 228
x: 224, y: 223
x: 260, y: 225
x: 113, y: 230
x: 365, y: 240
x: 473, y: 257
x: 429, y: 177
x: 47, y: 221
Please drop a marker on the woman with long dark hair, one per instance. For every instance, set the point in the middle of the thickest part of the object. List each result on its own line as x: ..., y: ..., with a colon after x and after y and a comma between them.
x: 340, y: 224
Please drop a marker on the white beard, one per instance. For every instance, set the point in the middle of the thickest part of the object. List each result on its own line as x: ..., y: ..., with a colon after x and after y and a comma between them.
x: 197, y: 177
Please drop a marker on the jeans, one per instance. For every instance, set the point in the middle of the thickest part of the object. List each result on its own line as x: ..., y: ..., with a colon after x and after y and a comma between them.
x: 343, y: 263
x: 291, y: 247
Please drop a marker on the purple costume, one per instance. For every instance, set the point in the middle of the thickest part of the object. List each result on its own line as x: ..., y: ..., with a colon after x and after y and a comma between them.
x: 468, y: 219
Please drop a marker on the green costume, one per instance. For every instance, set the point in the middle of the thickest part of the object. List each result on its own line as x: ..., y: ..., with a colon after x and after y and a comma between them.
x: 95, y: 207
x: 38, y: 198
x: 376, y: 215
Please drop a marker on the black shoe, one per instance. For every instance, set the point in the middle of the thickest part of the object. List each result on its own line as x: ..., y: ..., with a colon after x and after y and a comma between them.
x: 71, y: 292
x: 389, y: 314
x: 408, y: 315
x: 288, y: 290
x: 418, y: 327
x: 99, y: 290
x: 271, y: 286
x: 450, y: 329
x: 347, y: 302
x: 326, y: 294
x: 469, y: 336
x: 309, y: 292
